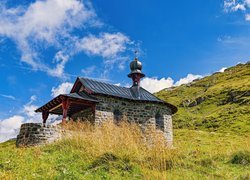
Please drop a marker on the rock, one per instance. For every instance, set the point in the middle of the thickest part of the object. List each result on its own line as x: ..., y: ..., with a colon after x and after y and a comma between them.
x: 240, y: 97
x: 190, y: 103
x: 237, y: 96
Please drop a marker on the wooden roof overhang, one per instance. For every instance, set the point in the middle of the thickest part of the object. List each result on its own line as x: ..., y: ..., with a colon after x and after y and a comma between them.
x: 77, y: 102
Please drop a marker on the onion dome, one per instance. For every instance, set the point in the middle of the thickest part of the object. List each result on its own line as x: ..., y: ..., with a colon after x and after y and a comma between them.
x: 136, y: 67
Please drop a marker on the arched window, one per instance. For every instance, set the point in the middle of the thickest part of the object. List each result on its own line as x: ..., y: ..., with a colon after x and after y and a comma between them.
x: 117, y: 115
x: 159, y: 121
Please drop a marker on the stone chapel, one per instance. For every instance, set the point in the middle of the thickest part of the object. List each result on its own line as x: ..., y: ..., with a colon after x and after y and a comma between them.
x: 95, y: 101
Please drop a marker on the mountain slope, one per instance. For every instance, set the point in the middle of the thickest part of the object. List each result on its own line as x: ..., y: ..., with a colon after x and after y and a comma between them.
x: 220, y: 102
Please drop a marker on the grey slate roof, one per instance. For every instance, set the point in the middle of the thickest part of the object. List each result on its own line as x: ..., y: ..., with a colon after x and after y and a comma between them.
x: 81, y: 95
x: 118, y: 91
x: 96, y: 87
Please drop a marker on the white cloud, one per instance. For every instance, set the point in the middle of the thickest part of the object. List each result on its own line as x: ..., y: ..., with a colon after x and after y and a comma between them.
x: 222, y: 69
x: 247, y: 2
x: 106, y: 45
x: 43, y: 24
x: 8, y: 96
x: 9, y: 127
x: 29, y: 110
x: 60, y: 59
x: 118, y: 84
x: 110, y: 46
x: 63, y: 88
x: 189, y: 78
x: 51, y: 24
x: 154, y: 85
x: 33, y: 98
x: 247, y: 17
x: 234, y: 5
x: 238, y: 5
x: 88, y: 71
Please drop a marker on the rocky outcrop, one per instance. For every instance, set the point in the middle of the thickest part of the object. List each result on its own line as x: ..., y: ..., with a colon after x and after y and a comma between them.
x: 240, y: 97
x: 237, y: 96
x: 32, y: 134
x: 192, y: 103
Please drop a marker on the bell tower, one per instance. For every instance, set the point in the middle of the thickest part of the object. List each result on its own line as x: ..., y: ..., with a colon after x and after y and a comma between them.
x: 136, y: 72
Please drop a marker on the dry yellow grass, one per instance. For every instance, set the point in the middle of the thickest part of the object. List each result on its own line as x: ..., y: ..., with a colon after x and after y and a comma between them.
x: 125, y: 140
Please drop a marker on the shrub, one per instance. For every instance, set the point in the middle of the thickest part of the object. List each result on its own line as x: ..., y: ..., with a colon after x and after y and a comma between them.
x: 241, y: 157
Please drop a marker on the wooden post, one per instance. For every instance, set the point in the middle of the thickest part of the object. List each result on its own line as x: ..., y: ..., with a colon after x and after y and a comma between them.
x: 93, y: 107
x: 65, y: 106
x: 45, y: 115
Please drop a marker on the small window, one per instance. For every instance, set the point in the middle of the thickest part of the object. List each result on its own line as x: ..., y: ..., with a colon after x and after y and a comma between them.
x: 159, y: 121
x: 117, y: 115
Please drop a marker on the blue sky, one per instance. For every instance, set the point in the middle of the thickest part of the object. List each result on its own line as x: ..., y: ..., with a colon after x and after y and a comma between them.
x: 45, y: 44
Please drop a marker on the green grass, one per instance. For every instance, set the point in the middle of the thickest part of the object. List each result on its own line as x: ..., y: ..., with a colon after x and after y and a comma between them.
x: 226, y: 107
x: 196, y: 155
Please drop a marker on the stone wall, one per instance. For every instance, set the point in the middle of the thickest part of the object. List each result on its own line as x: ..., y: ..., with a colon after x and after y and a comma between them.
x: 143, y: 113
x: 84, y: 115
x: 32, y: 134
x: 146, y: 114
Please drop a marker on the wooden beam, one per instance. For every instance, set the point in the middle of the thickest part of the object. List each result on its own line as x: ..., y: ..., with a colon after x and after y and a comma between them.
x: 45, y: 115
x: 55, y: 107
x: 65, y: 106
x: 82, y: 102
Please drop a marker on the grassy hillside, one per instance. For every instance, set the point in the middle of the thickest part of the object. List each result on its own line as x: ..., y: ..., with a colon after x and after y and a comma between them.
x: 220, y: 102
x: 112, y: 152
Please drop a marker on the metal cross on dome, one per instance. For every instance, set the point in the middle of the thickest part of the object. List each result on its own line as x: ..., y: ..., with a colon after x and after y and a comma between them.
x: 136, y: 54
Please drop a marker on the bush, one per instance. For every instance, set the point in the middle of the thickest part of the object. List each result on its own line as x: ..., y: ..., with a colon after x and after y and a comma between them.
x: 241, y: 157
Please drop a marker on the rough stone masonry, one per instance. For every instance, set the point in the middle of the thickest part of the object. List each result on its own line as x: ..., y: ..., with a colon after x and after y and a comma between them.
x: 144, y: 114
x: 32, y: 134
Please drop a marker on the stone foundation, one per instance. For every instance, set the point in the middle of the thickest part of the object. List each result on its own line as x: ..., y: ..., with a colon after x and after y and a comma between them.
x: 33, y: 134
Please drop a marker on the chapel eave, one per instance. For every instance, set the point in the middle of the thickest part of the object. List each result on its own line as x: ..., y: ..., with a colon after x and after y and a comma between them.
x: 55, y: 105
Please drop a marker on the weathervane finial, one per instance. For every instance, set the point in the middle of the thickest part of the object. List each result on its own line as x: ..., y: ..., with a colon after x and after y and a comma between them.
x: 136, y: 54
